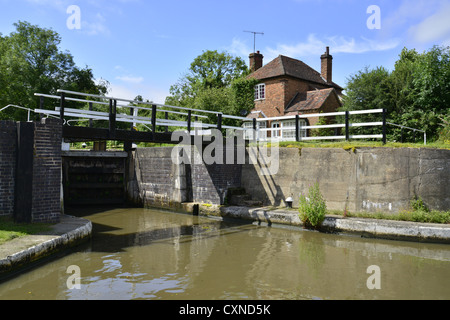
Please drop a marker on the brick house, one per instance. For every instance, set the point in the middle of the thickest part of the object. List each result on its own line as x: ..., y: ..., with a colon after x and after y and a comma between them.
x: 289, y: 87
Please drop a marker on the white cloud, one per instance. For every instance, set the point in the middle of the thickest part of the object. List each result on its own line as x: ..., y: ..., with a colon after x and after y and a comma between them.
x: 315, y: 46
x: 435, y: 28
x: 97, y: 26
x: 130, y: 79
x: 130, y: 92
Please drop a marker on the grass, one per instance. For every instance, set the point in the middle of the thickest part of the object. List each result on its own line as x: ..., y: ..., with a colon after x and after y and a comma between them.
x: 10, y: 230
x: 352, y: 145
x: 439, y: 217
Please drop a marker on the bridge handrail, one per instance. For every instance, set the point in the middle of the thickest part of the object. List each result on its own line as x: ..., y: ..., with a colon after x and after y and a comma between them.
x: 107, y: 104
x: 147, y: 103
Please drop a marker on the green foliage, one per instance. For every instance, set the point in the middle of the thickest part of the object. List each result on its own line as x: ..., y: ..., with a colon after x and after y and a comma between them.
x: 444, y: 133
x: 418, y: 205
x: 312, y: 207
x: 416, y: 93
x: 215, y: 82
x: 323, y: 132
x: 31, y: 62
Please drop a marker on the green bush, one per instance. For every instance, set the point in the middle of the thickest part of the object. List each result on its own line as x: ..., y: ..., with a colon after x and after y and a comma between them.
x: 312, y: 207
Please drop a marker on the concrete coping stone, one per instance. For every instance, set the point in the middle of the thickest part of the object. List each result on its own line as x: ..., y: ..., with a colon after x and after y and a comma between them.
x: 370, y: 228
x: 24, y: 250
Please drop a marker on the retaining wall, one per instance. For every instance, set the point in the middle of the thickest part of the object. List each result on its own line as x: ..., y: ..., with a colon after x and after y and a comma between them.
x: 366, y: 179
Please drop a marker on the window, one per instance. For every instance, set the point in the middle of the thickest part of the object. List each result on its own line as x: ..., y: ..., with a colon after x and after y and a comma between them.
x: 288, y: 132
x: 260, y: 91
x: 260, y: 135
x: 276, y: 133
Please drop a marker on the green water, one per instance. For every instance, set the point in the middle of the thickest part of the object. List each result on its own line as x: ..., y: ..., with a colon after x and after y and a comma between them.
x: 150, y: 254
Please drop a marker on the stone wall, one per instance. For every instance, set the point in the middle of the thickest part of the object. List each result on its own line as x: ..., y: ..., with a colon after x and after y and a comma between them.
x: 366, y: 179
x: 154, y: 179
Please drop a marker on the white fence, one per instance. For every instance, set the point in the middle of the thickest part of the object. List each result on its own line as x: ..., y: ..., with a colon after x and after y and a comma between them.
x: 294, y: 128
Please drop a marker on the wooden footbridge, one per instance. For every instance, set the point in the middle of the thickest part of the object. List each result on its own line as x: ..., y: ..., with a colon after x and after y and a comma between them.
x: 194, y: 118
x: 155, y: 118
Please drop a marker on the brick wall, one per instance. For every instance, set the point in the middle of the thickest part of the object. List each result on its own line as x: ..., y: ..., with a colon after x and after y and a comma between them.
x: 46, y: 177
x: 47, y: 171
x: 8, y: 138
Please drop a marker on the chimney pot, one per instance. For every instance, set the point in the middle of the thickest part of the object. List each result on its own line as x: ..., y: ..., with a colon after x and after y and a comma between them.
x: 256, y: 61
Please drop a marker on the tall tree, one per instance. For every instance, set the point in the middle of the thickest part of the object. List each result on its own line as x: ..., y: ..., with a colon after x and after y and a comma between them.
x: 209, y: 70
x: 215, y: 82
x: 416, y: 93
x: 30, y: 62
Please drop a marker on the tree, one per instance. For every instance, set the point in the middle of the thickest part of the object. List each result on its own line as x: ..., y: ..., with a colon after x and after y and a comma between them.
x: 368, y: 89
x: 209, y: 70
x: 215, y: 82
x: 416, y: 93
x: 31, y: 62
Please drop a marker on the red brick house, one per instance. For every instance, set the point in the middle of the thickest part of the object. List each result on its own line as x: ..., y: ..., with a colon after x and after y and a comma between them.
x: 289, y: 87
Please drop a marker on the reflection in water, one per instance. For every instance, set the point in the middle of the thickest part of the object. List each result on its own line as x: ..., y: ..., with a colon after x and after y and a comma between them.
x: 149, y: 254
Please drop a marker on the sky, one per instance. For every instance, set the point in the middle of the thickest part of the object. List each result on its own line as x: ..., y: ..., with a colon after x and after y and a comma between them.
x: 142, y: 47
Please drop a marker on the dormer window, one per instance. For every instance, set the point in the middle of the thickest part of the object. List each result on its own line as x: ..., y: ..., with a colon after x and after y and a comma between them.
x: 260, y: 91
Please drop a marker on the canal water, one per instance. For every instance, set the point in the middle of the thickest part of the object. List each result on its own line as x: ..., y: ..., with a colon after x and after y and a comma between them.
x: 159, y: 255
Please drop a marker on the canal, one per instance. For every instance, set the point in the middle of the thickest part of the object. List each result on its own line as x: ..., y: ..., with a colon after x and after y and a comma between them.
x: 159, y: 255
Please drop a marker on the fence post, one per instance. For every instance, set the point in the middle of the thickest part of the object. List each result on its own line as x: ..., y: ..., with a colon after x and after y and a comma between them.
x: 347, y: 125
x: 112, y: 118
x: 153, y: 119
x: 189, y: 121
x: 61, y: 107
x: 255, y: 127
x: 297, y: 128
x: 219, y: 122
x: 384, y: 126
x: 166, y: 116
x: 90, y: 120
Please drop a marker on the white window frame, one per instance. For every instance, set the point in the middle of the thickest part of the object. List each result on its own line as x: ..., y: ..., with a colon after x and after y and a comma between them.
x: 261, y: 135
x: 288, y: 129
x: 260, y: 91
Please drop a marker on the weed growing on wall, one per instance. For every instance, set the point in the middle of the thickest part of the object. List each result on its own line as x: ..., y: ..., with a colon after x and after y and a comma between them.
x: 312, y: 207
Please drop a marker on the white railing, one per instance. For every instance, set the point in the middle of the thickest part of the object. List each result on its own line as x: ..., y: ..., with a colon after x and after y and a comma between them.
x: 295, y: 131
x: 193, y: 115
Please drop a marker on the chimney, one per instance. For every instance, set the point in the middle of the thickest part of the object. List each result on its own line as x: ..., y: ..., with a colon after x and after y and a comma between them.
x: 256, y: 61
x: 327, y: 66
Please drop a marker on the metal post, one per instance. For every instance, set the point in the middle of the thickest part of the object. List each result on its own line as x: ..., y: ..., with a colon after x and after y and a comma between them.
x: 297, y: 128
x: 166, y: 116
x: 347, y: 125
x: 189, y: 120
x: 91, y: 124
x: 219, y: 122
x: 384, y: 126
x: 255, y: 128
x: 153, y: 118
x: 61, y: 109
x: 112, y: 118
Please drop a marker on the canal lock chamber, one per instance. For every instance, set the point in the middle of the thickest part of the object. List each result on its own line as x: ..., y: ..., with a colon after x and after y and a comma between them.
x: 94, y: 178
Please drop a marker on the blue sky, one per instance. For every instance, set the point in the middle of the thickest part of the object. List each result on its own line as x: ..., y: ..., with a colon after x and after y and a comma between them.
x: 142, y: 47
